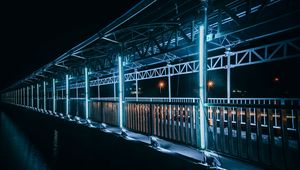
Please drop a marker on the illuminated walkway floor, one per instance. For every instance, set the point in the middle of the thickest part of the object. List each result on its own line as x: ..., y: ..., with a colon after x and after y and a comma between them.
x: 184, y: 152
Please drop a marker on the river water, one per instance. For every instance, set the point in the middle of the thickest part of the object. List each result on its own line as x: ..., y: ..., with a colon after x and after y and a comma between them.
x: 16, y: 150
x: 30, y: 141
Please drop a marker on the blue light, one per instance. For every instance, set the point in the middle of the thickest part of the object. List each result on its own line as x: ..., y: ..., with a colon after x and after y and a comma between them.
x: 120, y: 91
x: 31, y: 95
x: 44, y: 95
x: 201, y: 84
x: 53, y: 94
x: 86, y: 93
x: 37, y: 96
x: 67, y: 94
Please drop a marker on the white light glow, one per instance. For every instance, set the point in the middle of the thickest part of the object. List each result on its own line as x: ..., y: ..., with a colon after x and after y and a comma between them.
x: 31, y: 95
x: 44, y: 84
x: 120, y: 92
x: 201, y: 90
x: 37, y: 96
x: 53, y: 95
x: 86, y: 93
x: 67, y: 94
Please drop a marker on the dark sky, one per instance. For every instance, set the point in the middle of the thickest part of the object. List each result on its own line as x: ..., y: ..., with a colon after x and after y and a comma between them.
x: 33, y: 33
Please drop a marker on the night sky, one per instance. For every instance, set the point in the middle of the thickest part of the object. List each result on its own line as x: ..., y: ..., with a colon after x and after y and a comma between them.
x: 33, y: 33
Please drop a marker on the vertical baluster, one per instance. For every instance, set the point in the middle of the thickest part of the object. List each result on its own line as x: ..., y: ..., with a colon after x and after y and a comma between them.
x: 162, y: 119
x: 222, y: 129
x: 181, y: 124
x: 166, y: 122
x: 178, y: 122
x: 271, y: 134
x: 173, y: 121
x: 284, y: 136
x: 186, y: 116
x: 192, y: 124
x: 248, y: 133
x: 229, y: 126
x: 128, y: 115
x: 258, y: 134
x: 144, y: 119
x: 214, y: 117
x: 239, y: 140
x: 157, y: 114
x: 297, y: 126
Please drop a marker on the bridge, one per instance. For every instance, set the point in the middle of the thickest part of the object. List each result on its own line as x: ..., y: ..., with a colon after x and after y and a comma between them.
x: 102, y: 82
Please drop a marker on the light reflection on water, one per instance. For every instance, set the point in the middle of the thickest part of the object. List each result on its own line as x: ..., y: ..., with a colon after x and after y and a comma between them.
x: 16, y: 151
x: 55, y: 144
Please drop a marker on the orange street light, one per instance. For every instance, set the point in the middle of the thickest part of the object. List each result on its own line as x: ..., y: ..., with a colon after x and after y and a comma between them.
x: 161, y: 85
x: 210, y: 84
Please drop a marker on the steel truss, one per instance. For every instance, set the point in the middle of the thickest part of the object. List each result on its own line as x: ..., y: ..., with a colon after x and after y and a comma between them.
x: 162, y: 39
x: 261, y: 54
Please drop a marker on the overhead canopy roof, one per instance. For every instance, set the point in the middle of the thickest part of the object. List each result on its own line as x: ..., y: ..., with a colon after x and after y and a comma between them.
x: 160, y: 31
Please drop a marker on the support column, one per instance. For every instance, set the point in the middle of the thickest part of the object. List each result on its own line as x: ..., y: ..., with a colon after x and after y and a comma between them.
x: 14, y: 96
x: 228, y: 54
x: 45, y: 97
x: 24, y: 96
x: 31, y: 95
x: 20, y: 99
x: 87, y: 95
x: 98, y: 87
x: 121, y: 91
x: 202, y: 84
x: 27, y: 96
x: 53, y: 96
x: 76, y: 98
x: 67, y: 95
x: 17, y: 96
x: 21, y: 96
x: 136, y: 86
x: 169, y: 100
x: 37, y: 96
x: 169, y: 83
x: 115, y: 94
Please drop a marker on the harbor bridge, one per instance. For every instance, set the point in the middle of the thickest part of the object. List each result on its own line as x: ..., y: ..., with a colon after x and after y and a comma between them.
x: 101, y: 79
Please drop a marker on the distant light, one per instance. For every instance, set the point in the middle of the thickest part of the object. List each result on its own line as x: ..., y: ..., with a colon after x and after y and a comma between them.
x: 161, y: 84
x: 276, y: 79
x: 210, y: 84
